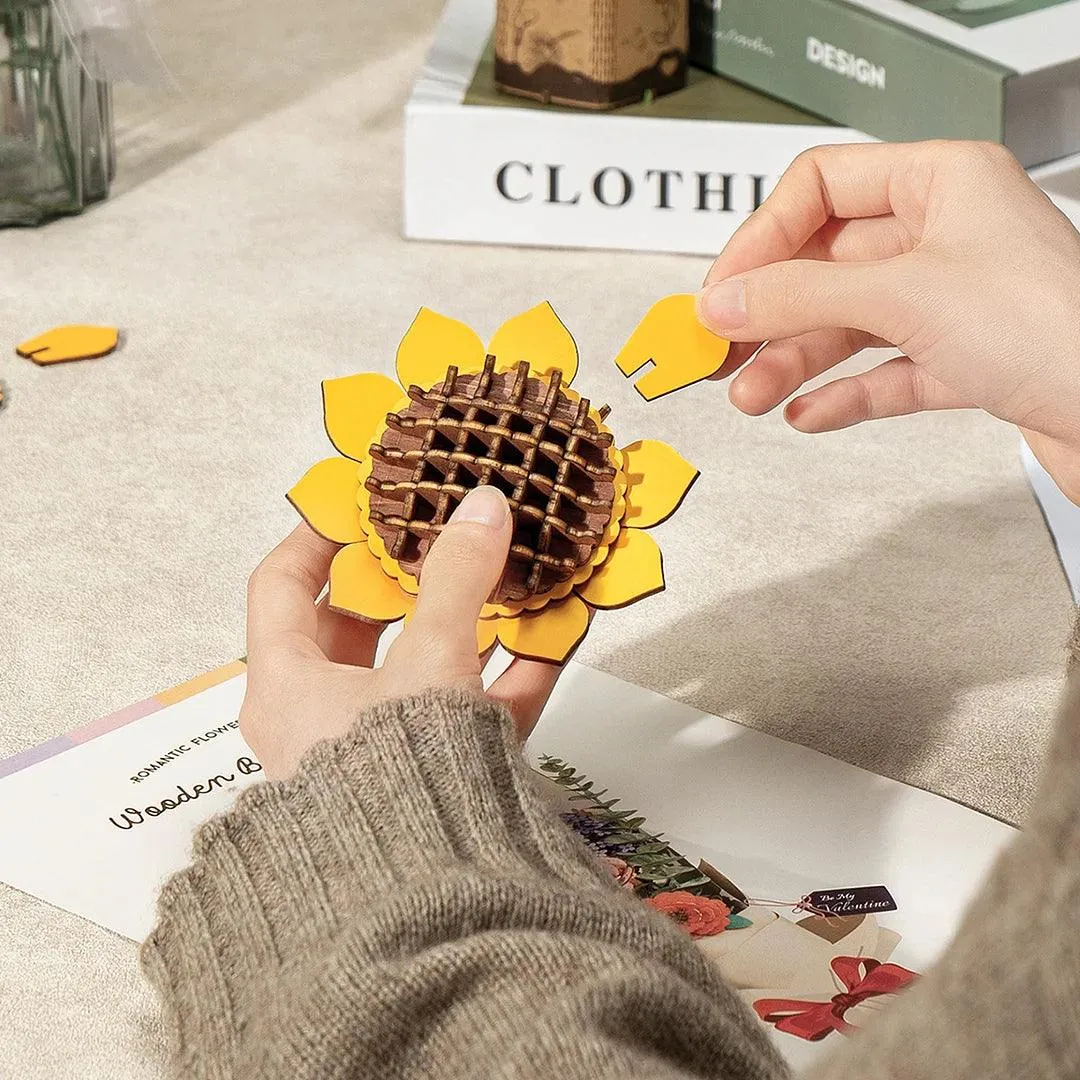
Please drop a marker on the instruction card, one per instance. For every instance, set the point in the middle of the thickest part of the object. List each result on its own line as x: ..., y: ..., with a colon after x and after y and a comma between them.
x: 95, y: 821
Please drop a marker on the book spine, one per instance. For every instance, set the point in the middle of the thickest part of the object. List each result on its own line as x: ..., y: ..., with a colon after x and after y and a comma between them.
x: 537, y: 178
x: 853, y: 67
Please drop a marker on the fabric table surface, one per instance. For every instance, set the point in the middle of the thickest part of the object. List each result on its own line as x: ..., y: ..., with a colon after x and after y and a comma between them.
x: 888, y: 595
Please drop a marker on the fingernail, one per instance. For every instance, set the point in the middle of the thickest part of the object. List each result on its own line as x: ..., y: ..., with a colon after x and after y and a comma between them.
x: 724, y: 305
x: 485, y: 505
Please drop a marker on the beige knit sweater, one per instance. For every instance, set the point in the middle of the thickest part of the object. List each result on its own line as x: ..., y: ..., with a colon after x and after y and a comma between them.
x: 408, y: 906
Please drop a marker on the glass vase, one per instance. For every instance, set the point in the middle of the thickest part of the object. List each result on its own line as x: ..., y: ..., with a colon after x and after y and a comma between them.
x: 57, y: 147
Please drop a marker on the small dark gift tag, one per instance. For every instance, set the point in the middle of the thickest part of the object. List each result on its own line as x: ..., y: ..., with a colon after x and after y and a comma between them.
x: 866, y: 900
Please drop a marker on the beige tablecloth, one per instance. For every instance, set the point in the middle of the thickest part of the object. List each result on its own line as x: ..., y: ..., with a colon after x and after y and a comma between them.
x: 888, y: 595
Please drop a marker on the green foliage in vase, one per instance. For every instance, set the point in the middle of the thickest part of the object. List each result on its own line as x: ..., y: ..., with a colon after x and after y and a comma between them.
x: 55, y: 121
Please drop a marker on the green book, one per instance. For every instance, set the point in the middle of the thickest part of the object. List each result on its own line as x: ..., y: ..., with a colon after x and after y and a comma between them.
x: 1001, y: 70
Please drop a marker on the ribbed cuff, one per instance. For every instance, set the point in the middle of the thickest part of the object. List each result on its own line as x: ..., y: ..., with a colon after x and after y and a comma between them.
x: 419, y: 789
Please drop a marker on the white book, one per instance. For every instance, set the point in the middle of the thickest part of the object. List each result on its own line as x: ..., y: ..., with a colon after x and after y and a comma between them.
x: 675, y: 175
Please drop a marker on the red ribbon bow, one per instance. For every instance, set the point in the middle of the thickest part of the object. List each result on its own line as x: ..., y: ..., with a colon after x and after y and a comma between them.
x: 861, y: 978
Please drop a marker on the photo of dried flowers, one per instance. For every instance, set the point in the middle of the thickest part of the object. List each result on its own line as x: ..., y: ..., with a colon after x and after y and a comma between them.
x: 806, y: 979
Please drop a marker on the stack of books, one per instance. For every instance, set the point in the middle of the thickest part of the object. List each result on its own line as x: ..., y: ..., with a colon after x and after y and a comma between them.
x: 679, y: 173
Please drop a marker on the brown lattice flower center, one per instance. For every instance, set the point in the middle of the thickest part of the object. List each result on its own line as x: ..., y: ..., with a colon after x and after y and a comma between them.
x: 518, y: 432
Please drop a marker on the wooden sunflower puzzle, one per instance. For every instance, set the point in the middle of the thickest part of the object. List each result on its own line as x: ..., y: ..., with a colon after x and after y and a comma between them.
x: 462, y: 415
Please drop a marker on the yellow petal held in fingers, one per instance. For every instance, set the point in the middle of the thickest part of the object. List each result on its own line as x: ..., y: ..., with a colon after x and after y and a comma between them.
x: 658, y: 478
x: 550, y: 634
x: 325, y: 497
x: 633, y: 569
x: 70, y: 343
x: 354, y: 407
x: 359, y: 587
x: 539, y: 336
x: 681, y: 349
x: 432, y: 344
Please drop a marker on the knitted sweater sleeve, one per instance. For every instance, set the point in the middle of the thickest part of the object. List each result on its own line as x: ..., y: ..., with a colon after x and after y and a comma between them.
x: 408, y: 906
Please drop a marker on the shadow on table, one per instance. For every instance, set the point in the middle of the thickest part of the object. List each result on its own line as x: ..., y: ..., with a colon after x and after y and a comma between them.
x: 234, y: 63
x: 866, y: 657
x: 1064, y: 184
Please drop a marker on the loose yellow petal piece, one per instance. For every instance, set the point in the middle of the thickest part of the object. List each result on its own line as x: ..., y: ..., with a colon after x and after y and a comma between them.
x: 359, y: 587
x: 539, y: 336
x: 432, y: 344
x: 354, y: 407
x: 70, y: 343
x: 681, y: 349
x: 633, y: 569
x: 551, y: 634
x: 658, y: 478
x: 325, y: 497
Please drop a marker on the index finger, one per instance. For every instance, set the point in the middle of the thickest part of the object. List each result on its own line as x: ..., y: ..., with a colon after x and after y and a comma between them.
x: 283, y: 589
x: 524, y: 688
x: 826, y: 182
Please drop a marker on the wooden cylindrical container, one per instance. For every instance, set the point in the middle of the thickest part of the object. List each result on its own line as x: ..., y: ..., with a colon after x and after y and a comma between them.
x: 595, y: 54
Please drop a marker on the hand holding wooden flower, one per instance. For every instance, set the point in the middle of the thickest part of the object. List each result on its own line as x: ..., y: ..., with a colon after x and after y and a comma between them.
x: 503, y: 416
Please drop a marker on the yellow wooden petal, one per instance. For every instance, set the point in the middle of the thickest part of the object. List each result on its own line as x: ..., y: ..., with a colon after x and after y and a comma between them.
x: 325, y: 497
x: 550, y: 634
x: 486, y: 634
x: 681, y: 349
x: 633, y: 569
x: 539, y: 336
x: 354, y: 407
x: 70, y: 343
x: 359, y: 587
x: 658, y: 478
x: 432, y: 344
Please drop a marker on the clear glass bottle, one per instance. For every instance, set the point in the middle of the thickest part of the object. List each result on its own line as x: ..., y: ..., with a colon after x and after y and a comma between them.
x: 57, y: 147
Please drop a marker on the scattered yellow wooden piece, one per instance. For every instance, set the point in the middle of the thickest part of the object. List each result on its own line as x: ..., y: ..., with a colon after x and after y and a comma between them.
x: 681, y: 349
x: 633, y: 569
x: 359, y: 587
x: 325, y: 497
x: 658, y: 478
x: 70, y: 343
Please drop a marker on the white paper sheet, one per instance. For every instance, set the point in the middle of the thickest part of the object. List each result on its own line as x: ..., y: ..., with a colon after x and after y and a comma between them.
x: 778, y: 819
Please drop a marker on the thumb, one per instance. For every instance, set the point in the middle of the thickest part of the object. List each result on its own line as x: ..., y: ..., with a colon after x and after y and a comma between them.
x: 462, y: 569
x: 797, y: 296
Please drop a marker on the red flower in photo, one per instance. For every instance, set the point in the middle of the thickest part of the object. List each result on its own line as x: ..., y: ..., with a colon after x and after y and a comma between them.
x: 700, y: 915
